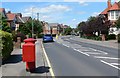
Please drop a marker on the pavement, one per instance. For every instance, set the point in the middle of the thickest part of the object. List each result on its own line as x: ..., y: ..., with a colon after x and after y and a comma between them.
x: 14, y: 66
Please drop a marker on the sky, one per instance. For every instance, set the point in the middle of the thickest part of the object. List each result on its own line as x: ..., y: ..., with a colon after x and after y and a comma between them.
x: 65, y: 12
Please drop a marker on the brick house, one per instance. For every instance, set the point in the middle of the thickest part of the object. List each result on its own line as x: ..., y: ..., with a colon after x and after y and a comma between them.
x: 51, y: 28
x: 11, y: 19
x: 19, y: 20
x: 3, y: 13
x: 112, y: 13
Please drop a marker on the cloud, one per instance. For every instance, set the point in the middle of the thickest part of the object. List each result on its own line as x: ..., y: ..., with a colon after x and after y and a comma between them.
x: 74, y: 19
x: 80, y: 1
x: 49, y: 9
x: 95, y: 13
x: 7, y: 9
x: 49, y: 13
x: 81, y: 12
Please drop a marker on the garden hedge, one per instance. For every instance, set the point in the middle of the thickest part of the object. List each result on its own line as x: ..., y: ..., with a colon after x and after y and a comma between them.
x: 6, y: 44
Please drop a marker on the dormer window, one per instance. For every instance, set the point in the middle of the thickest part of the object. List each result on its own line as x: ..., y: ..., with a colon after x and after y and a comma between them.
x: 117, y: 14
x: 112, y: 14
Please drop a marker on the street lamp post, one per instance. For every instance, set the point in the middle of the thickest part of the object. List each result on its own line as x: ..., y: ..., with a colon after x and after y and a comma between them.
x: 32, y: 24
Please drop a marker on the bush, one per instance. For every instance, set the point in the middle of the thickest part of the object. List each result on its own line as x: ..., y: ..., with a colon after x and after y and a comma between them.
x: 93, y: 37
x: 21, y: 35
x: 40, y: 35
x: 111, y: 37
x: 118, y: 38
x: 6, y: 45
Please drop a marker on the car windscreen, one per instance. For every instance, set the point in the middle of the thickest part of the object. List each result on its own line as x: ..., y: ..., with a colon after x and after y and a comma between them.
x: 48, y: 35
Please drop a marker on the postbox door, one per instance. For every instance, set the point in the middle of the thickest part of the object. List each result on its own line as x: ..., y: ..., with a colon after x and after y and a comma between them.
x: 28, y: 53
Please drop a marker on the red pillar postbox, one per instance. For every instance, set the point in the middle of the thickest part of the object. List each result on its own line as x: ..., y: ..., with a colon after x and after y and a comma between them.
x: 28, y: 53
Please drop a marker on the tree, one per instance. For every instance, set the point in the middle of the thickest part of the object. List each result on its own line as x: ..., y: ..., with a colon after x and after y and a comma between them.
x: 4, y: 25
x: 27, y: 27
x: 68, y: 31
x: 117, y: 24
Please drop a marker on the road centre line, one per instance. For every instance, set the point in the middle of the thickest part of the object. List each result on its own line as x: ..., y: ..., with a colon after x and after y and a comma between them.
x: 107, y: 57
x: 110, y: 64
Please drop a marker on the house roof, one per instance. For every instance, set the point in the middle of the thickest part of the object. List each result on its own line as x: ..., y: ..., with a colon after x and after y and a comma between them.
x: 116, y: 6
x: 53, y: 24
x: 11, y: 16
x: 25, y: 19
x: 2, y: 9
x: 105, y: 11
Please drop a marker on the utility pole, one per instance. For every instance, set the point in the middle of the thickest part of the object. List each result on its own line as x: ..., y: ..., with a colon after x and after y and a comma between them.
x: 38, y: 16
x: 32, y: 24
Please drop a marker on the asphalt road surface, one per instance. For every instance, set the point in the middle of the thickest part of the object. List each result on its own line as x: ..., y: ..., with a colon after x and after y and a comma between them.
x: 74, y: 58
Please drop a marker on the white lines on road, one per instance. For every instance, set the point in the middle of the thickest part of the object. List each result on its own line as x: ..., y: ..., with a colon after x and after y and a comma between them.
x: 110, y: 64
x: 92, y: 53
x: 98, y: 50
x: 115, y: 64
x: 65, y: 45
x: 82, y: 52
x: 107, y: 57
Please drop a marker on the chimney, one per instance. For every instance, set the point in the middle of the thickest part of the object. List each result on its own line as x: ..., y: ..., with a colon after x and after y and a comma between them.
x: 9, y: 12
x: 109, y: 4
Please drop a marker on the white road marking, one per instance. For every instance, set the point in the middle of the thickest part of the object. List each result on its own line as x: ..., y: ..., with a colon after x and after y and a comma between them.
x: 92, y: 53
x: 107, y: 57
x: 65, y: 45
x: 82, y: 52
x: 115, y: 64
x: 47, y: 59
x: 98, y: 51
x: 110, y: 64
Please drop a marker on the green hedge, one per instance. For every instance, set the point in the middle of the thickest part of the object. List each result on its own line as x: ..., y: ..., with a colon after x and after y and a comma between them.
x: 92, y: 37
x: 111, y: 37
x: 6, y: 44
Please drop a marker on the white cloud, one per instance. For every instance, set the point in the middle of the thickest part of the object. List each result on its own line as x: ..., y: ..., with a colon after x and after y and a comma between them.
x: 49, y: 9
x: 82, y: 1
x: 49, y: 13
x: 95, y: 13
x: 81, y: 12
x: 74, y: 19
x: 7, y: 9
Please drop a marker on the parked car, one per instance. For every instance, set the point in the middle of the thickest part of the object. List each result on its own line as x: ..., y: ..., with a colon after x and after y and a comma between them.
x: 47, y: 38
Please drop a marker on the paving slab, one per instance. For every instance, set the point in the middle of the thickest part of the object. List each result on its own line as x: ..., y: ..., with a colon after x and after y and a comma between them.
x: 14, y: 66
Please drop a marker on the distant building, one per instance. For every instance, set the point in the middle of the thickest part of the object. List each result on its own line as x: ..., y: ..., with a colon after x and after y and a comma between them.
x: 112, y: 13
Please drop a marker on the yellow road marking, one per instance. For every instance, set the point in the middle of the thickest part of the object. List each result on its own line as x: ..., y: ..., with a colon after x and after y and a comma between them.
x: 49, y: 64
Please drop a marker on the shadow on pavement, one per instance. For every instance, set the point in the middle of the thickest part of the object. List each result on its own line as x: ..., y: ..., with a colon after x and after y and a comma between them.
x: 41, y: 69
x: 13, y: 59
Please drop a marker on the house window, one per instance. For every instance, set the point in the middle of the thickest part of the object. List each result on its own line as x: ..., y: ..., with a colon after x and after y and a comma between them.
x: 117, y: 14
x: 112, y: 14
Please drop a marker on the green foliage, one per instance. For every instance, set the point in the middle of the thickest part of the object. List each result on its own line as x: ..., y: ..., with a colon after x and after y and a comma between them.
x: 118, y: 38
x: 6, y: 44
x: 40, y: 35
x: 27, y: 27
x: 111, y: 37
x: 98, y: 38
x: 3, y: 23
x: 118, y: 23
x: 68, y: 31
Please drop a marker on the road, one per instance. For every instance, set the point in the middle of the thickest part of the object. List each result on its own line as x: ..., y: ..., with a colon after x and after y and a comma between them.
x: 73, y: 58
